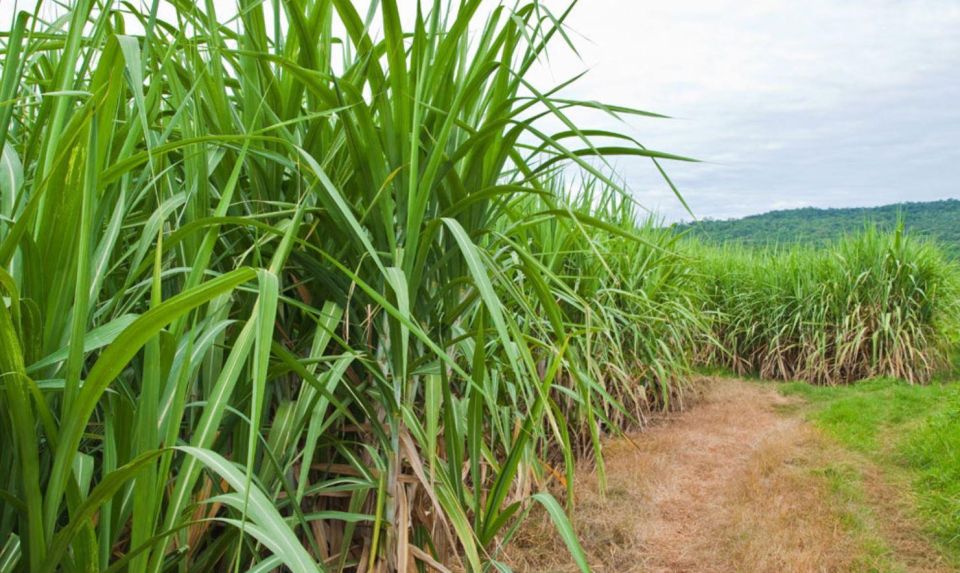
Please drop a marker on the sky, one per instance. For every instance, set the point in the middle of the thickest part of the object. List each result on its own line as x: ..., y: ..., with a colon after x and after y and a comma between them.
x: 786, y: 104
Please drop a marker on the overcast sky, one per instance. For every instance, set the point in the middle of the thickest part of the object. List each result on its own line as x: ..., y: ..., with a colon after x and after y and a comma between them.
x: 788, y: 104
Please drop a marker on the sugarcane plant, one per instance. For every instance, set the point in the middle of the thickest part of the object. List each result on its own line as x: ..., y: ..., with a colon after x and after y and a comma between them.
x: 266, y: 278
x: 870, y: 304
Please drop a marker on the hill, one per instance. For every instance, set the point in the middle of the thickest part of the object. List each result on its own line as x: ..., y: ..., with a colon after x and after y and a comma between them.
x: 938, y: 220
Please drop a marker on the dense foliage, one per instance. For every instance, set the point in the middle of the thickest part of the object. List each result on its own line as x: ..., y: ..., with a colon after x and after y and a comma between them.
x: 935, y: 220
x: 277, y: 295
x: 872, y: 304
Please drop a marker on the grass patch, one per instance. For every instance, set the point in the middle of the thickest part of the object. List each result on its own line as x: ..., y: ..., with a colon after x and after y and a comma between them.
x: 845, y: 483
x: 912, y: 430
x: 932, y: 451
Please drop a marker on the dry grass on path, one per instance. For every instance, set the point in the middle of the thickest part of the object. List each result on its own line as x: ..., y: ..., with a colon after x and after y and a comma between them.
x: 734, y: 484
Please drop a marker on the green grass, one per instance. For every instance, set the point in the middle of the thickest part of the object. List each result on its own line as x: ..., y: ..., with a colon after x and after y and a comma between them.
x: 911, y: 430
x: 845, y: 483
x: 932, y: 451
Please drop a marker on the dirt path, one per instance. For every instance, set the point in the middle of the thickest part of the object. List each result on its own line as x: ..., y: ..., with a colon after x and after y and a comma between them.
x: 738, y: 483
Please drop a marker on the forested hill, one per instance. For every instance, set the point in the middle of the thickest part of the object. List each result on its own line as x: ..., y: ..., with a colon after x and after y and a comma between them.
x: 936, y: 219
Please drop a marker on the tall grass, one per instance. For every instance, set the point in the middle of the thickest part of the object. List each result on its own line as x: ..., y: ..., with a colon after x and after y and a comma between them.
x: 281, y: 296
x: 872, y: 304
x: 630, y: 296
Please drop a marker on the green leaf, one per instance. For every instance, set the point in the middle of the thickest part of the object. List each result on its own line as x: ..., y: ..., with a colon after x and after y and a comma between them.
x: 565, y: 528
x: 111, y: 362
x: 10, y: 554
x: 267, y: 524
